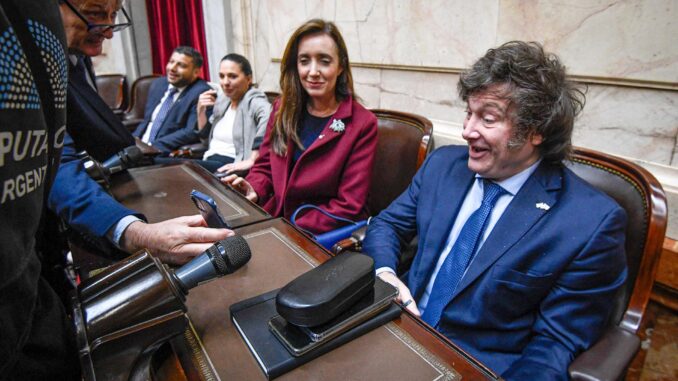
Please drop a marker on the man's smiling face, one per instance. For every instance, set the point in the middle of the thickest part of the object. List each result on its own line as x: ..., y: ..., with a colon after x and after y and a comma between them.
x: 489, y: 131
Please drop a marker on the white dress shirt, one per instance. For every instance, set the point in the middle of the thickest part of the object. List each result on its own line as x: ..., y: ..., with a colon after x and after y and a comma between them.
x: 147, y: 133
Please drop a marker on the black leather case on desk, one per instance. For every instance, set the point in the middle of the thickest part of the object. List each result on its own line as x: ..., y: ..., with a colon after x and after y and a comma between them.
x: 319, y: 295
x: 251, y: 317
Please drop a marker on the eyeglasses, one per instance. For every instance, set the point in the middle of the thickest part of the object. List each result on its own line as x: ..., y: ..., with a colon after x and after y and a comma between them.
x: 100, y: 28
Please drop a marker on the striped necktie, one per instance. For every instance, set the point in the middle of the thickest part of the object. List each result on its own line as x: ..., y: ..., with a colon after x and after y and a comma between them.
x: 162, y: 113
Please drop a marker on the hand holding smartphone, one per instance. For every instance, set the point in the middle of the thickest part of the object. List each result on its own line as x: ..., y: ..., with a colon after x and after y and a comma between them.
x: 209, y: 210
x: 206, y: 101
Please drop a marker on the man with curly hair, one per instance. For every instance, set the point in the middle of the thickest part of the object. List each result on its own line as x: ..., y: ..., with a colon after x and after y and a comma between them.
x: 518, y: 257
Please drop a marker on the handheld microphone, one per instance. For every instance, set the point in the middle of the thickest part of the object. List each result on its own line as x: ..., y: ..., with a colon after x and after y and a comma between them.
x: 101, y: 172
x: 222, y: 258
x: 127, y: 158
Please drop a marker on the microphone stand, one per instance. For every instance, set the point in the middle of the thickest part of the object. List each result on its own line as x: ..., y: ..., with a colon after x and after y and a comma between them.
x: 124, y: 314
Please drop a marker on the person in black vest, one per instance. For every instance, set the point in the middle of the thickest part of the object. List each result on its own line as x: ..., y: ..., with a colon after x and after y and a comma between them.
x: 93, y: 127
x: 37, y: 340
x: 170, y: 116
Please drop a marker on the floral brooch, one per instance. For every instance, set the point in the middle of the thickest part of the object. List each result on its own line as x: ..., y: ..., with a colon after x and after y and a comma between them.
x: 337, y: 126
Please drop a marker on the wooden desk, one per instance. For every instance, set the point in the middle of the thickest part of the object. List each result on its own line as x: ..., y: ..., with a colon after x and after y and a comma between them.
x: 211, y: 348
x: 405, y: 349
x: 162, y: 192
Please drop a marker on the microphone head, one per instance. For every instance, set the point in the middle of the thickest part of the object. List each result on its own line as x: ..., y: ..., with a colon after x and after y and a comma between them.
x: 229, y: 254
x: 131, y: 155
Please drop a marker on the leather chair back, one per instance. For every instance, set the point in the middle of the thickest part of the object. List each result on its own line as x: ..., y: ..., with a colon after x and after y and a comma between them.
x: 272, y: 96
x: 113, y: 90
x: 404, y: 141
x: 139, y: 95
x: 643, y: 199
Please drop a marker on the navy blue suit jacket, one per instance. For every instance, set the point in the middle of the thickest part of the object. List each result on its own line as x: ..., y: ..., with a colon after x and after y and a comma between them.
x: 179, y: 127
x: 91, y: 126
x: 538, y: 291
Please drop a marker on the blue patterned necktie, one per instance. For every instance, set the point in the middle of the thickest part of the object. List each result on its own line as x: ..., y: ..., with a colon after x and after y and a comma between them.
x: 454, y: 266
x: 162, y: 113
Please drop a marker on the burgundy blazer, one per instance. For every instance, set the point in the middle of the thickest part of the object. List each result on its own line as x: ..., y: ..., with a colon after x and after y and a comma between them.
x: 333, y: 173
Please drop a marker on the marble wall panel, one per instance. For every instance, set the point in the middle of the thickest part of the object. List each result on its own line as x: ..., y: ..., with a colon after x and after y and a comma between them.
x: 635, y: 123
x: 628, y: 39
x: 609, y: 38
x: 392, y: 32
x: 367, y: 85
x: 218, y: 38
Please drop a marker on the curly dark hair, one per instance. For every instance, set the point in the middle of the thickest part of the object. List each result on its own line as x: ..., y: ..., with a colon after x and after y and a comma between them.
x: 541, y: 100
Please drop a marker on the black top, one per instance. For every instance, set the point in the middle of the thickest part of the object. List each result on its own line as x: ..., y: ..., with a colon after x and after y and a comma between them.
x: 32, y: 116
x: 311, y: 126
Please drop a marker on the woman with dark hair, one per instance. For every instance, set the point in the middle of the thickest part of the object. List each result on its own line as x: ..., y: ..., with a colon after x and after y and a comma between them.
x: 320, y: 142
x: 236, y: 127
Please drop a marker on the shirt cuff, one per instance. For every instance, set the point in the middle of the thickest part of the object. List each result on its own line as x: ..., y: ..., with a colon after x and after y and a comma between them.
x: 385, y: 270
x: 115, y: 233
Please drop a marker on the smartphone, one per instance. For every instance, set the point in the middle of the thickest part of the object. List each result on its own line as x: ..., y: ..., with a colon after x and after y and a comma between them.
x: 300, y: 340
x: 209, y: 210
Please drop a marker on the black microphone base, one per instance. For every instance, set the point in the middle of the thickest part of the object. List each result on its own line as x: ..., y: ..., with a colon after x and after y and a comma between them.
x: 124, y: 314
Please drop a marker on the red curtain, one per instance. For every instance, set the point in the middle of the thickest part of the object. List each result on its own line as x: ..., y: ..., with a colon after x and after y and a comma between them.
x: 173, y: 23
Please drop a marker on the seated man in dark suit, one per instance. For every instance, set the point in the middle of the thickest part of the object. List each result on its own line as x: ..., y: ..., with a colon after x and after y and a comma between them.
x: 518, y: 258
x: 92, y: 126
x: 170, y: 117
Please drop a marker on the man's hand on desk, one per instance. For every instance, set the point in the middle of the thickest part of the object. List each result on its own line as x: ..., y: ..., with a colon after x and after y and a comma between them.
x: 174, y: 241
x: 404, y: 295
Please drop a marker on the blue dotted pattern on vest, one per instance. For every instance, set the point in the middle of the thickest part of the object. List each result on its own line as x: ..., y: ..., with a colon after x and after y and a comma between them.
x: 53, y: 56
x: 17, y: 87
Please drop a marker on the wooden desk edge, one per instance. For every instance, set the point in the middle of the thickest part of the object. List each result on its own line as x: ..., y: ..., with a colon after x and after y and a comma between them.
x: 431, y: 340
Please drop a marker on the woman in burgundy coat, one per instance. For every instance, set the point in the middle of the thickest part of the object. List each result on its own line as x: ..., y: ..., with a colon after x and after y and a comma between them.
x: 320, y: 143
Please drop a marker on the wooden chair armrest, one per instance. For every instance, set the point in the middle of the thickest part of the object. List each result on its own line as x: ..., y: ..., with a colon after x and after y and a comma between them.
x: 347, y: 244
x: 608, y: 358
x: 192, y: 151
x: 352, y: 243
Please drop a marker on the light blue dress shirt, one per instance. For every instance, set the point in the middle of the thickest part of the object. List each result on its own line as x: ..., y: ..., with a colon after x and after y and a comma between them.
x: 472, y: 201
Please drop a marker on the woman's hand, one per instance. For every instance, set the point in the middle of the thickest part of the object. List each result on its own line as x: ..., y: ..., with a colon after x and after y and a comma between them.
x: 244, y: 165
x: 241, y: 185
x: 205, y: 100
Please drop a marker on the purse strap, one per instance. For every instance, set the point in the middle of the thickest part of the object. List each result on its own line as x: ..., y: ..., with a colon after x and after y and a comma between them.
x: 328, y: 214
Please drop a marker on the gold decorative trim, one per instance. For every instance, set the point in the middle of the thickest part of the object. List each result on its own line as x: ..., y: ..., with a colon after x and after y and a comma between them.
x: 445, y: 373
x: 287, y: 242
x: 587, y: 79
x: 198, y: 354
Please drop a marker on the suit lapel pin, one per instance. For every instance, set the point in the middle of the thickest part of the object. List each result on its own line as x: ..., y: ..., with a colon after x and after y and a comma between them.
x: 543, y: 206
x: 337, y: 126
x: 321, y: 136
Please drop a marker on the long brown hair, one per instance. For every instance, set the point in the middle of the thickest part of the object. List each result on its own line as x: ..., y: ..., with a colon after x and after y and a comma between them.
x: 294, y: 97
